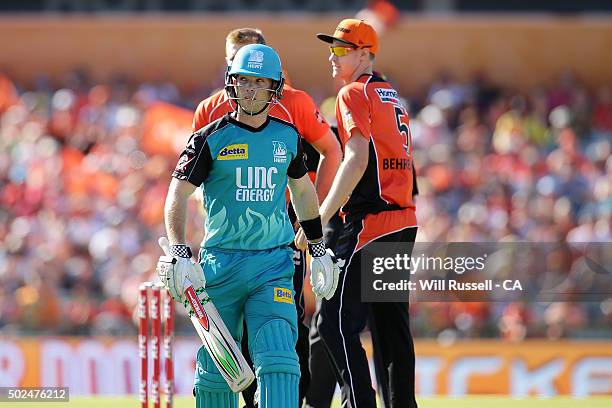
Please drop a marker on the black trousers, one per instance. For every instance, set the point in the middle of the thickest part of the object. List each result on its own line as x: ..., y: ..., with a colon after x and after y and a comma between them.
x: 302, y: 348
x: 344, y: 317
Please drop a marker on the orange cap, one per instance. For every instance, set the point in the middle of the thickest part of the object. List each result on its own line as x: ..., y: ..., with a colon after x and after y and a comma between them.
x: 354, y: 32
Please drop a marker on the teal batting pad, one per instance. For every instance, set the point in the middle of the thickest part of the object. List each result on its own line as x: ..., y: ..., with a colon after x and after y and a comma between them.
x: 211, y: 389
x: 207, y: 376
x: 276, y: 365
x: 209, y: 399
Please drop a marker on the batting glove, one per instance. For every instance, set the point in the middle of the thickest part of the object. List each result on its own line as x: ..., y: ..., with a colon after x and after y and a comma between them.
x: 177, y: 271
x: 324, y: 271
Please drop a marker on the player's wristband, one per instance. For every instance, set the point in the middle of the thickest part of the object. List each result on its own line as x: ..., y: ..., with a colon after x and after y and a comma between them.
x: 317, y: 249
x: 181, y: 251
x: 312, y: 229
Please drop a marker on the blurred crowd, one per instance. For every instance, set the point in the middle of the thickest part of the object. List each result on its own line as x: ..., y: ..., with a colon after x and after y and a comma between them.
x: 81, y: 196
x: 81, y: 204
x: 499, y: 164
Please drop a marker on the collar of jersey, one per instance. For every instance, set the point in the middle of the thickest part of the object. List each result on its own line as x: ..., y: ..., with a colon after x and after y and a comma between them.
x: 233, y: 121
x: 362, y: 75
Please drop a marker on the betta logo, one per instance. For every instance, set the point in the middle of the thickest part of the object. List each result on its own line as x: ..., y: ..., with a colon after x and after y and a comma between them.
x: 283, y: 295
x: 234, y: 152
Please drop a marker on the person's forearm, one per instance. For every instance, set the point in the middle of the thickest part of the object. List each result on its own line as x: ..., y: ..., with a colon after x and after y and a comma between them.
x: 305, y: 203
x: 175, y: 214
x: 349, y: 174
x: 326, y: 171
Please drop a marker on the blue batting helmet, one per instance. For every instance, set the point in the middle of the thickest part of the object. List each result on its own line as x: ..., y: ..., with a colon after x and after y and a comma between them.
x: 258, y: 60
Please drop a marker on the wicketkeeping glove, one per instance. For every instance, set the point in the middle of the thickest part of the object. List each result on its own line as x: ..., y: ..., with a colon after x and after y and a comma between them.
x: 324, y: 271
x: 177, y: 271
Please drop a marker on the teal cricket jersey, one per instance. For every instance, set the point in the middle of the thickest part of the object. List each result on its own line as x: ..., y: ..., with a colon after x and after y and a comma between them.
x: 243, y: 174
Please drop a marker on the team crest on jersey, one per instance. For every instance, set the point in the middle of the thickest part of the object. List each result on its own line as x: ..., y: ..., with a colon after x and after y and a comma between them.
x: 279, y: 151
x: 388, y: 96
x: 283, y: 295
x: 234, y: 152
x: 256, y: 59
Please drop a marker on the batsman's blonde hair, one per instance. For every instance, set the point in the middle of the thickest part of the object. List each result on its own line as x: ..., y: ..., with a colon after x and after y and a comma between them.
x: 246, y: 35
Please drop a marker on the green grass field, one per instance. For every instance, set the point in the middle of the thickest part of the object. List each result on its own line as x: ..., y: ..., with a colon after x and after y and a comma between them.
x: 470, y: 402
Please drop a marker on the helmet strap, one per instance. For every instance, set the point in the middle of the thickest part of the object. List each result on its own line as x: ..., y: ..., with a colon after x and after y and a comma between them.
x: 239, y: 107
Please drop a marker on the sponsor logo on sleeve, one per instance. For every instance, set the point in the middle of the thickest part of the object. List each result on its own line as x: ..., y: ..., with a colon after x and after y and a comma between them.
x: 185, y: 159
x: 234, y: 152
x: 347, y: 118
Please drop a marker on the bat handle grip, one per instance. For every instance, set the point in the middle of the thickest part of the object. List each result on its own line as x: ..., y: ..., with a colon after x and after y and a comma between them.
x: 165, y: 245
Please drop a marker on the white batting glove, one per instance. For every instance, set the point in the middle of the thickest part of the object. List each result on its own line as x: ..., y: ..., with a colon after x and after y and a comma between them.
x: 177, y: 271
x: 324, y: 271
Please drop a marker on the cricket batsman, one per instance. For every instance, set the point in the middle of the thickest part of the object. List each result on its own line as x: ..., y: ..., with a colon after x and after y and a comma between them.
x: 243, y: 163
x: 318, y: 140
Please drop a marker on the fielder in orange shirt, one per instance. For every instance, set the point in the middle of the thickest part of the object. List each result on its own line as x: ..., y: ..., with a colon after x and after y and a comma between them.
x: 298, y: 108
x: 375, y: 186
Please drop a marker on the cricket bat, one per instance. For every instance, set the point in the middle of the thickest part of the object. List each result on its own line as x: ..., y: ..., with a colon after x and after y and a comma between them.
x: 215, y: 336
